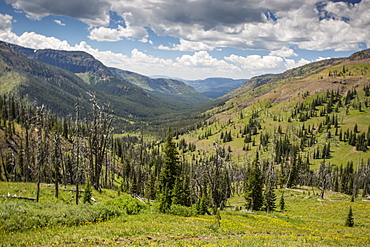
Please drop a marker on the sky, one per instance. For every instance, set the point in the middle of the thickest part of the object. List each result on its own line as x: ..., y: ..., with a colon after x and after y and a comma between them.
x: 192, y: 39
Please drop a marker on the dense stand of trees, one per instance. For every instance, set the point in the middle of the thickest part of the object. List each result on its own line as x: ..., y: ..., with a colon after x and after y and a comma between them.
x: 38, y: 147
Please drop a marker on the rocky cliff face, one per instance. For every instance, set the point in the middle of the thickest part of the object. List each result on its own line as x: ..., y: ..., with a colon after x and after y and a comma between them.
x: 73, y: 61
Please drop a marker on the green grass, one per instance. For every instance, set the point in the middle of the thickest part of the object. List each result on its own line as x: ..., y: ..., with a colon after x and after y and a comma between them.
x: 9, y: 81
x: 307, y: 221
x: 341, y: 153
x: 346, y: 71
x: 47, y: 192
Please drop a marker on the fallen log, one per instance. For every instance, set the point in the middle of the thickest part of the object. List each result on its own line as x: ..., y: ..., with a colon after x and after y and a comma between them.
x: 19, y: 197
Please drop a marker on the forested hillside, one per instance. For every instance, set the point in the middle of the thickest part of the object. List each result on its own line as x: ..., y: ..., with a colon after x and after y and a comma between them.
x: 309, y: 132
x: 299, y: 130
x: 293, y: 131
x: 33, y: 75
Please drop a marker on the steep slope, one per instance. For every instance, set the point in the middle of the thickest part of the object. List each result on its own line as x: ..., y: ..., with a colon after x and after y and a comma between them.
x: 166, y: 88
x: 142, y: 104
x: 56, y: 88
x: 330, y: 74
x: 73, y: 61
x: 322, y: 114
x: 289, y: 75
x: 97, y: 74
x: 59, y: 89
x: 216, y: 87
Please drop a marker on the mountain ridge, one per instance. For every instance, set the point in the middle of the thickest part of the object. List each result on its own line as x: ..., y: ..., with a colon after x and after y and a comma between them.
x: 163, y: 87
x: 215, y: 87
x: 322, y: 110
x: 96, y: 73
x: 61, y: 89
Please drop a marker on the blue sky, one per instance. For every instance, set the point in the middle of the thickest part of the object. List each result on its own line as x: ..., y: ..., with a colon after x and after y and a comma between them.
x: 192, y: 39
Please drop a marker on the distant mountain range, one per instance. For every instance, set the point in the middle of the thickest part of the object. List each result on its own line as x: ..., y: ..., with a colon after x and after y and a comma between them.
x: 60, y: 79
x: 162, y: 87
x: 213, y: 87
x: 216, y: 87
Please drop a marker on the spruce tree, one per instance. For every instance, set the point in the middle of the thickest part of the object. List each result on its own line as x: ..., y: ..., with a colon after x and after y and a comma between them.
x: 180, y: 193
x: 269, y: 198
x: 87, y: 192
x: 350, y: 220
x: 253, y: 188
x: 169, y: 174
x: 282, y: 202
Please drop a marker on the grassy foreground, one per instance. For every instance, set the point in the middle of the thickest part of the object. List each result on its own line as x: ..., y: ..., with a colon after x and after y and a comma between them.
x: 307, y: 221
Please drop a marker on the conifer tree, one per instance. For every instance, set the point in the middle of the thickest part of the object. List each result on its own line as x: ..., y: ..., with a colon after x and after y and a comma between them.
x: 269, y: 198
x: 180, y: 192
x: 201, y: 205
x: 349, y: 220
x: 282, y: 202
x: 87, y: 193
x: 253, y: 188
x: 169, y: 173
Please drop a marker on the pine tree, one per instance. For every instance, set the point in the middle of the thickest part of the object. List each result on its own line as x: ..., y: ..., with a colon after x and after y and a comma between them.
x: 165, y: 200
x: 355, y: 128
x: 350, y: 220
x: 282, y: 202
x: 253, y: 188
x: 169, y: 174
x: 269, y: 198
x: 87, y: 193
x: 180, y: 193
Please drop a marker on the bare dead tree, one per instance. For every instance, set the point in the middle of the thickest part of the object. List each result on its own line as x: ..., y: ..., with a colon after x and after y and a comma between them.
x: 40, y: 152
x: 324, y: 177
x: 99, y: 131
x: 57, y: 158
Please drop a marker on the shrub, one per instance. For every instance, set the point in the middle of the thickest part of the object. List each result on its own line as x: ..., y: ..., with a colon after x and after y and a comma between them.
x: 15, y: 216
x: 182, y: 210
x: 128, y: 204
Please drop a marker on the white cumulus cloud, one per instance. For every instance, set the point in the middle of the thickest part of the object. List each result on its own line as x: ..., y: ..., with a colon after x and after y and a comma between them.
x: 257, y: 62
x: 204, y: 59
x: 115, y: 34
x: 6, y: 23
x: 284, y: 52
x: 265, y: 63
x: 59, y: 22
x: 209, y: 24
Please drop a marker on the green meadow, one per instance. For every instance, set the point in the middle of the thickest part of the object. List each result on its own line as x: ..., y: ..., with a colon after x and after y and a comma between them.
x: 306, y: 220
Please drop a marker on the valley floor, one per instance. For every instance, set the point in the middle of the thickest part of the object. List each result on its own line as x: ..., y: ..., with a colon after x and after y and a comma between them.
x: 307, y: 221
